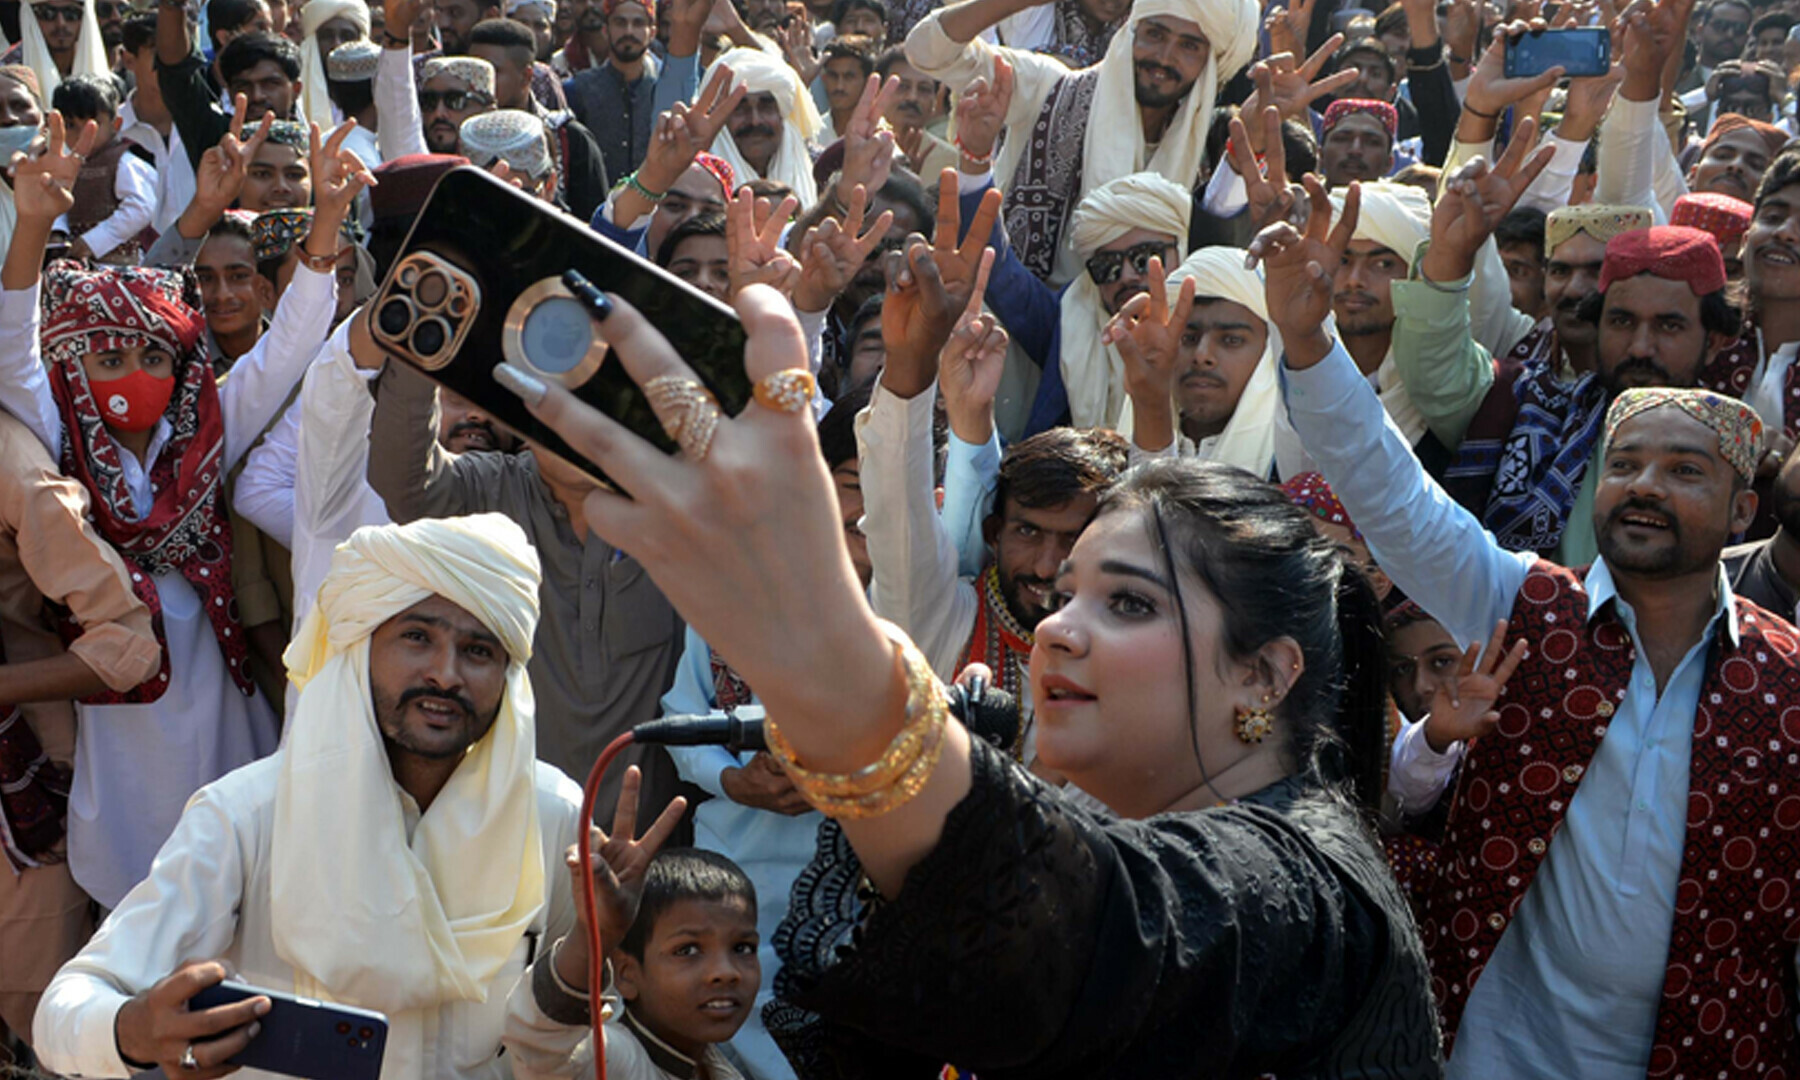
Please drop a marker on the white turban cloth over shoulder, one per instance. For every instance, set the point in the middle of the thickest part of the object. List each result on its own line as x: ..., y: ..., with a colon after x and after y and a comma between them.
x: 1249, y: 438
x: 315, y: 101
x: 762, y: 72
x: 362, y: 914
x: 90, y: 49
x: 1398, y: 217
x: 1093, y: 374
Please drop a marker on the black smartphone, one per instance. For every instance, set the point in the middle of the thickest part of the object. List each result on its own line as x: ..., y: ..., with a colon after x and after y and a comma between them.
x: 306, y: 1038
x: 479, y: 281
x: 1581, y: 52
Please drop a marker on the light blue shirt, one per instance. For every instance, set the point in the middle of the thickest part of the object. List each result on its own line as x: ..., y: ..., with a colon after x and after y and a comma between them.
x: 1574, y: 985
x: 772, y: 848
x: 970, y: 475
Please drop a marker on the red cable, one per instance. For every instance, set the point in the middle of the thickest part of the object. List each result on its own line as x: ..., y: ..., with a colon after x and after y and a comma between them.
x: 596, y: 959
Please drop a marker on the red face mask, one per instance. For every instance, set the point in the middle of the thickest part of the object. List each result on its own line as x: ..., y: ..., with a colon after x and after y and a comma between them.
x: 134, y: 402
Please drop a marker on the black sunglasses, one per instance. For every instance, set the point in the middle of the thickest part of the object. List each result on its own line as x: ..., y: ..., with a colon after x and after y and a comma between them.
x: 53, y: 14
x: 1106, y: 266
x: 454, y: 100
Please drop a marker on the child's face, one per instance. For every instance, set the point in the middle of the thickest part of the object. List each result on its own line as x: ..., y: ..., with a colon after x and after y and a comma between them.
x: 699, y: 976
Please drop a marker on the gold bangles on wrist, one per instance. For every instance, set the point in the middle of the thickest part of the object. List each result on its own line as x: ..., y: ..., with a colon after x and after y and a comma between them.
x: 901, y: 771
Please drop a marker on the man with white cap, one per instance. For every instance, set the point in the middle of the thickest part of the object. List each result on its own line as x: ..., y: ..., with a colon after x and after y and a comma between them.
x: 398, y: 853
x: 1148, y: 105
x: 62, y: 39
x: 452, y: 89
x: 518, y: 139
x: 770, y: 133
x: 350, y: 78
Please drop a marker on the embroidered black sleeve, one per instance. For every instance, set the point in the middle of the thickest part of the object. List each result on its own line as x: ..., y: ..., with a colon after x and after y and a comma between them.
x: 1039, y: 941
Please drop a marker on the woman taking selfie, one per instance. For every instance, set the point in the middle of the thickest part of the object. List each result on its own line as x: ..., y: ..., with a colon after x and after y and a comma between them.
x: 1234, y: 919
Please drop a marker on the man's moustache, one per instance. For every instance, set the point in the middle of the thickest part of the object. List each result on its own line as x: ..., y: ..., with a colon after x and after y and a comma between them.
x: 754, y: 129
x: 1148, y: 68
x: 419, y: 693
x: 474, y: 425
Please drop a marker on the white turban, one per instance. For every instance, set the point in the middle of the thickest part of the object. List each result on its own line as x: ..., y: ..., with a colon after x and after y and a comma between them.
x: 1115, y: 136
x: 1093, y: 374
x: 315, y: 101
x: 90, y: 49
x: 763, y: 72
x: 1398, y: 217
x: 361, y: 914
x: 1249, y: 438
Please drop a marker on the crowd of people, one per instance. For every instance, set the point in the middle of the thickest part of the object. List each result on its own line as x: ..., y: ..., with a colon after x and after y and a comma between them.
x: 1370, y: 473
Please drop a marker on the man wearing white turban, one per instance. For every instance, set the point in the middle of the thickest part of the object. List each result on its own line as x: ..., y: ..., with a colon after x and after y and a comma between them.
x: 393, y: 855
x: 1147, y: 105
x: 326, y: 24
x: 1207, y: 385
x: 1115, y: 231
x: 62, y: 39
x: 770, y: 133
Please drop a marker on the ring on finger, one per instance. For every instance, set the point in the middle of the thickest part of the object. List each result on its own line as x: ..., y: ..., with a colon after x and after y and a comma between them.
x: 188, y: 1061
x: 688, y: 411
x: 786, y: 391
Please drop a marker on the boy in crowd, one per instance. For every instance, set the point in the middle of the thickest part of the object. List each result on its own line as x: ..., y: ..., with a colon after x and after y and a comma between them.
x: 115, y: 195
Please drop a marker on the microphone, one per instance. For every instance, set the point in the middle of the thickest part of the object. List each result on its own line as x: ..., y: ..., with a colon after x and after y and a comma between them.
x: 988, y: 713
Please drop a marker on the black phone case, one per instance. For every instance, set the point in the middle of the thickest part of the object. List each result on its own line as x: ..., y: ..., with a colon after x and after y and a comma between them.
x: 509, y: 242
x: 1582, y: 52
x: 311, y: 1039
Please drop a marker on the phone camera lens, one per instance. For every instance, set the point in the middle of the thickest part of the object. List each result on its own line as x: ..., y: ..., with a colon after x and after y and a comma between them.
x: 429, y: 338
x: 343, y: 1028
x: 557, y: 335
x: 366, y: 1033
x: 432, y: 289
x: 396, y: 316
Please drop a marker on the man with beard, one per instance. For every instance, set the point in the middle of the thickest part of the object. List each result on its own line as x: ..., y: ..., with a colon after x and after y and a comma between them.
x: 62, y: 38
x: 361, y: 863
x: 615, y: 97
x: 262, y: 67
x: 1118, y: 229
x: 538, y: 16
x: 452, y: 89
x: 1724, y: 27
x: 1606, y: 839
x: 1767, y: 572
x: 918, y: 102
x: 1146, y: 106
x: 1358, y: 140
x: 580, y: 171
x: 1734, y: 156
x: 1046, y: 492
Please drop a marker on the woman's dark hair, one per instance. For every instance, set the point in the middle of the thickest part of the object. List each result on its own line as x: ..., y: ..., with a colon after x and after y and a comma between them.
x: 710, y: 224
x: 685, y: 874
x: 1274, y: 576
x: 250, y: 50
x: 1718, y: 315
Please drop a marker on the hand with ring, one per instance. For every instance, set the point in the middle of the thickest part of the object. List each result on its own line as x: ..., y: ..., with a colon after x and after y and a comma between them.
x: 156, y: 1027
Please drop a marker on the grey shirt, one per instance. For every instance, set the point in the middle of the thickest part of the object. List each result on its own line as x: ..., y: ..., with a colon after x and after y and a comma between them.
x: 607, y: 640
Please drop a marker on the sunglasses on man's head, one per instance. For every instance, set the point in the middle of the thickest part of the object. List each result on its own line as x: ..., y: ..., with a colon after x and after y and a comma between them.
x: 46, y: 13
x: 1106, y: 266
x: 454, y: 100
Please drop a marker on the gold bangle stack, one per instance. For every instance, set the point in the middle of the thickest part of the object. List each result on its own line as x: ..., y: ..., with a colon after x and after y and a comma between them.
x: 902, y: 770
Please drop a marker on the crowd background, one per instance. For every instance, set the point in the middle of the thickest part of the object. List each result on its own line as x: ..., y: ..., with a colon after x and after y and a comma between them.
x: 1020, y: 242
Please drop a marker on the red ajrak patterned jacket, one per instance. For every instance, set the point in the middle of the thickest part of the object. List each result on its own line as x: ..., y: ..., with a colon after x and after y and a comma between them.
x: 1727, y: 1006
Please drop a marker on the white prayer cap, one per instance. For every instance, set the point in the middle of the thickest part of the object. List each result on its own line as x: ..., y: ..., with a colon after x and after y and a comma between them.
x: 1143, y: 200
x: 1396, y: 216
x: 511, y: 135
x: 353, y: 61
x: 473, y: 72
x: 548, y: 7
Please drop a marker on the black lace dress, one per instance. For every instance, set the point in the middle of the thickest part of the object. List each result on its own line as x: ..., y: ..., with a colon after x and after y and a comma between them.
x: 1038, y: 940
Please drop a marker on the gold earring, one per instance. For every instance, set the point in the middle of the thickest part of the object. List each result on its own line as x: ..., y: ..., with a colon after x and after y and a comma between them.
x: 1254, y: 725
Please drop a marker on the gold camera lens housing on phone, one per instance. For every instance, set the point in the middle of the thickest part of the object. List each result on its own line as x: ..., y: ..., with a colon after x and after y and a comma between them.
x: 428, y: 312
x: 549, y: 331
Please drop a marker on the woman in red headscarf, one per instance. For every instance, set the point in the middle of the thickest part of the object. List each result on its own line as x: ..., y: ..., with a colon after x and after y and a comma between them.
x: 118, y: 385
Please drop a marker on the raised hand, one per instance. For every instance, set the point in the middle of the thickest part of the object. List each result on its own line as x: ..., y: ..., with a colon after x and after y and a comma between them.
x: 910, y: 141
x: 970, y: 366
x: 868, y: 143
x: 401, y: 15
x: 957, y: 262
x: 686, y: 130
x: 619, y: 862
x: 1289, y: 27
x: 796, y: 40
x: 753, y: 238
x: 830, y: 254
x: 1474, y: 200
x: 338, y: 175
x: 1462, y: 29
x: 1464, y: 710
x: 1586, y: 103
x: 1652, y: 34
x: 1147, y: 331
x: 1292, y: 88
x: 223, y: 166
x: 44, y: 186
x: 1490, y: 91
x: 1298, y: 268
x: 1272, y: 197
x: 981, y: 115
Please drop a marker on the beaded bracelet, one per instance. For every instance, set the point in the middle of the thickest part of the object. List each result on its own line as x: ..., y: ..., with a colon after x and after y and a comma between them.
x: 978, y: 159
x: 637, y: 185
